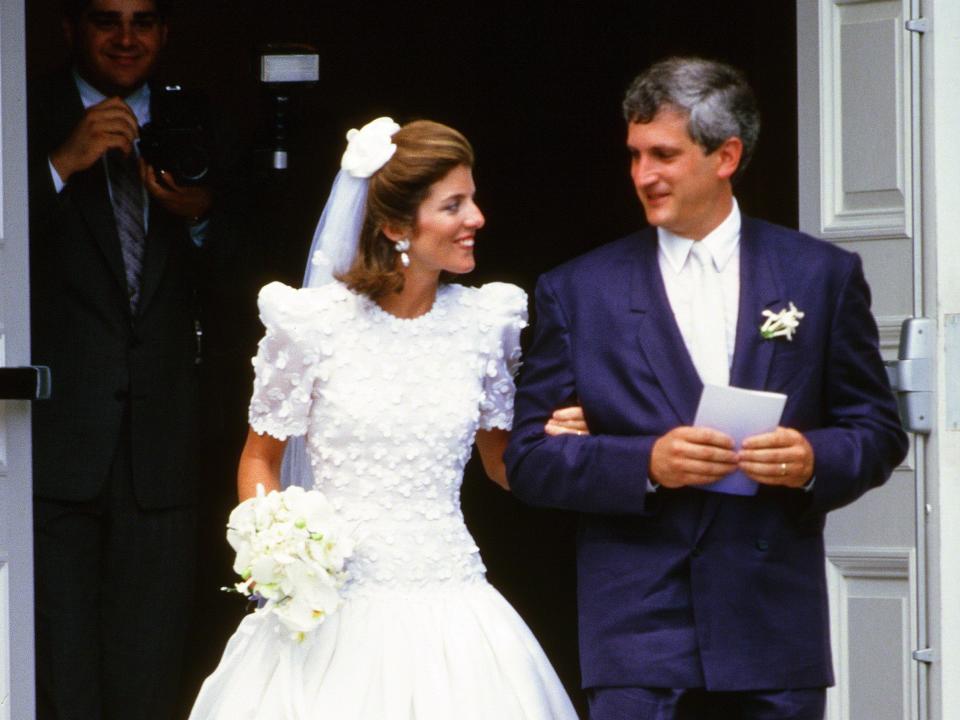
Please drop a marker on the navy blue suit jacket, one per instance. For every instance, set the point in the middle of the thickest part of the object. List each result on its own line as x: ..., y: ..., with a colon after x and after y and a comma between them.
x: 685, y: 588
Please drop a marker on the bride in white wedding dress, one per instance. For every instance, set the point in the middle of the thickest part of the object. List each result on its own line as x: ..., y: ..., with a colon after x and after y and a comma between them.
x: 392, y: 375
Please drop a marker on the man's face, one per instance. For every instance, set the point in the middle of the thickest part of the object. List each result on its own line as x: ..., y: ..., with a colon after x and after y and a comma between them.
x: 116, y: 43
x: 682, y: 189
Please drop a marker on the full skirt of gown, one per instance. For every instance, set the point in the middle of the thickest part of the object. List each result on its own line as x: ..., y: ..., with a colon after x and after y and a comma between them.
x: 458, y: 652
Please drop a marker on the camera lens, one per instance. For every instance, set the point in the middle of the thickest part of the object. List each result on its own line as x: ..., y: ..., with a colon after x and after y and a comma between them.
x: 192, y: 164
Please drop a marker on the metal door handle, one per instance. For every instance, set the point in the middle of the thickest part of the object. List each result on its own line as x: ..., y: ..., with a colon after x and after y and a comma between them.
x: 25, y: 383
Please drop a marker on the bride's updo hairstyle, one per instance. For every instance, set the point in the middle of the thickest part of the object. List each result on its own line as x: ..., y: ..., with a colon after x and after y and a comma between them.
x: 426, y: 152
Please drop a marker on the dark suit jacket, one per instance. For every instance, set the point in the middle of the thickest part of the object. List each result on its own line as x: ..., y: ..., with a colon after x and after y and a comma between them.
x: 685, y: 588
x: 113, y: 373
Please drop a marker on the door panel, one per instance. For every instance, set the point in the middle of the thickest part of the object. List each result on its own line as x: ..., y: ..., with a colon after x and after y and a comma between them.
x: 859, y: 165
x: 16, y: 573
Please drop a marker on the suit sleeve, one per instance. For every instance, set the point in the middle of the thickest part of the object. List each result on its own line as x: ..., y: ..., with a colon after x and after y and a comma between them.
x: 44, y: 198
x: 861, y: 441
x: 595, y: 473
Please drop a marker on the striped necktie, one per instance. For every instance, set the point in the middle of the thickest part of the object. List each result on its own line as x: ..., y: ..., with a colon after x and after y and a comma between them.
x: 126, y: 192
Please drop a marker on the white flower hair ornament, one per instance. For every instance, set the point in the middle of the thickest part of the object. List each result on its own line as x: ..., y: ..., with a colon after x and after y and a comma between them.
x: 369, y: 148
x: 781, y: 324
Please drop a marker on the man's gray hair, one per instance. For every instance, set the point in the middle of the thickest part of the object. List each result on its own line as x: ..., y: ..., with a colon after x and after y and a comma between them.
x: 713, y: 95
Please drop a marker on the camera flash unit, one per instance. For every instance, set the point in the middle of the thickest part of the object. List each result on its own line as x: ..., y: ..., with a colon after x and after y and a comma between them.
x: 285, y: 68
x: 292, y: 67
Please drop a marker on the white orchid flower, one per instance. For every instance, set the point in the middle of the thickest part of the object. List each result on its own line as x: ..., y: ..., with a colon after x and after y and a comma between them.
x: 292, y: 550
x: 781, y: 324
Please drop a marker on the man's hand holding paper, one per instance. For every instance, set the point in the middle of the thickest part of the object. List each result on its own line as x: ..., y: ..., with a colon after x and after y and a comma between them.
x: 692, y: 456
x: 781, y: 457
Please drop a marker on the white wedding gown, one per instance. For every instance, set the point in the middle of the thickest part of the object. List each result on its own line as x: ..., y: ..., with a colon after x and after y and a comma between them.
x: 390, y: 407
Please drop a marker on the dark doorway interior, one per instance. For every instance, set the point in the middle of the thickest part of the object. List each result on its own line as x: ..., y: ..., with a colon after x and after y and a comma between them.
x: 536, y: 87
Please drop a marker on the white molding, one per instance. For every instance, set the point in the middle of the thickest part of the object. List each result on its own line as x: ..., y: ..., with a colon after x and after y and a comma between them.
x: 895, y: 563
x: 5, y: 683
x: 909, y: 462
x: 889, y: 329
x: 838, y: 219
x: 841, y: 237
x: 895, y: 568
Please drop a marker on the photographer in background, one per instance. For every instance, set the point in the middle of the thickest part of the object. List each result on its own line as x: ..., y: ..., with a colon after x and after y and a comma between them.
x: 117, y: 250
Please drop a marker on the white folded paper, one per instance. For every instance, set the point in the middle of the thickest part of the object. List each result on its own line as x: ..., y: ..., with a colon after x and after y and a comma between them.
x: 739, y: 413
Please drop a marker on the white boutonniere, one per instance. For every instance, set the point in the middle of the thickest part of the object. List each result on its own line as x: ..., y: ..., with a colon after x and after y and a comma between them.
x: 781, y: 324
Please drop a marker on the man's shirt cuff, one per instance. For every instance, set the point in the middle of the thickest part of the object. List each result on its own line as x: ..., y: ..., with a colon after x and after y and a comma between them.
x: 198, y: 232
x: 58, y: 184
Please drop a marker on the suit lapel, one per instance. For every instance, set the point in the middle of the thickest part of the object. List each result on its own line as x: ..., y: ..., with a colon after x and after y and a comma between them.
x: 761, y: 287
x: 159, y: 235
x: 659, y: 337
x: 155, y: 259
x: 93, y: 202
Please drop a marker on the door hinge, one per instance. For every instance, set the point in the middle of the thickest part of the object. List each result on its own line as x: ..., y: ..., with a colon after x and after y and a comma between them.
x: 911, y: 375
x: 918, y: 25
x: 924, y: 656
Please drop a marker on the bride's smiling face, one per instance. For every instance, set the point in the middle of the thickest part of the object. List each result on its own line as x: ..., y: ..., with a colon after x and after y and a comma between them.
x: 446, y: 225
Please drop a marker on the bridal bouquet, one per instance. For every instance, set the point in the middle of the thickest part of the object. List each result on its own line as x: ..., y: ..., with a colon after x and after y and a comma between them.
x: 291, y: 554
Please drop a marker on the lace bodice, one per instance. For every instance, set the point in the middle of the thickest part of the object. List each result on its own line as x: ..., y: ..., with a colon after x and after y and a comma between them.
x: 390, y: 407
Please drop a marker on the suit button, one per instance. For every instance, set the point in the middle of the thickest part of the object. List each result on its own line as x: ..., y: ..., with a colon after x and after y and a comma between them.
x: 697, y: 551
x: 120, y: 395
x: 763, y: 545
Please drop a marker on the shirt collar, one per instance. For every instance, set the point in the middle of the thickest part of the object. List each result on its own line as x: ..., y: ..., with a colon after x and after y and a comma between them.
x: 138, y: 100
x: 721, y: 242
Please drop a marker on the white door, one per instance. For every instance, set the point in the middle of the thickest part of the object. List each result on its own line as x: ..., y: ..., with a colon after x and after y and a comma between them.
x: 859, y: 114
x: 16, y: 546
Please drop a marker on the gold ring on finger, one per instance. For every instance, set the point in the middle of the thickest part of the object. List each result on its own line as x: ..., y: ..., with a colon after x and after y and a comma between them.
x: 783, y: 469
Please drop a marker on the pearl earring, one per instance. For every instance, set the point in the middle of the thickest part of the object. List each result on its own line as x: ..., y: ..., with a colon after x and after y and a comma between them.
x: 401, y: 247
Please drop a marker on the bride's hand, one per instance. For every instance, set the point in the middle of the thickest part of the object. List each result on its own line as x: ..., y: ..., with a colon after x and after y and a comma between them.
x: 567, y: 421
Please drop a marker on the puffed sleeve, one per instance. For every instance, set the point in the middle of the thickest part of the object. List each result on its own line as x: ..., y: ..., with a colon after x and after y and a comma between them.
x: 505, y: 306
x: 285, y: 365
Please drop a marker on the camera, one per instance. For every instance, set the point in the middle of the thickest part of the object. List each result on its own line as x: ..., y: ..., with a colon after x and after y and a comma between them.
x: 175, y: 139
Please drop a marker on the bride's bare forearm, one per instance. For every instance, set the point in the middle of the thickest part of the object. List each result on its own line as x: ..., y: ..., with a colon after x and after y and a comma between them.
x: 492, y: 444
x: 260, y: 464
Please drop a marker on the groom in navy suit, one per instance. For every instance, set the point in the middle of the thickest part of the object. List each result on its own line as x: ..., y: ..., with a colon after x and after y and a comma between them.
x: 697, y: 603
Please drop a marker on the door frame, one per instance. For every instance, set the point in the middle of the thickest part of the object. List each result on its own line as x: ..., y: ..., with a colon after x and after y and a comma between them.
x: 16, y: 515
x: 940, y: 56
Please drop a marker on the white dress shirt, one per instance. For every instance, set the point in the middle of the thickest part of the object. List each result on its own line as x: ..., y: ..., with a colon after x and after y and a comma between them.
x: 673, y: 254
